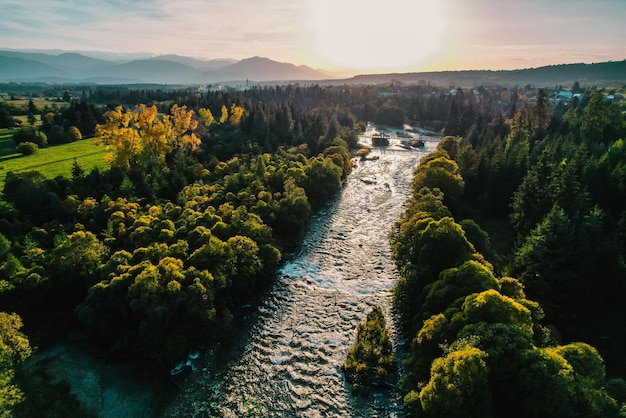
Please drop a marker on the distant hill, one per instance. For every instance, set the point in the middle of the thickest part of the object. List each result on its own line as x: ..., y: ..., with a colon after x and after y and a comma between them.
x: 198, y: 64
x: 151, y: 71
x: 20, y: 69
x: 73, y: 62
x: 164, y: 69
x: 264, y: 69
x: 548, y: 76
x: 69, y: 63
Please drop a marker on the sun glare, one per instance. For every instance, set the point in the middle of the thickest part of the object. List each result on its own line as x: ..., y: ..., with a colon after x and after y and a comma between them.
x: 391, y: 35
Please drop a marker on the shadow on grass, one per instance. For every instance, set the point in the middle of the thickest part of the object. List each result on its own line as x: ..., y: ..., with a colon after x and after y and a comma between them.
x: 9, y: 157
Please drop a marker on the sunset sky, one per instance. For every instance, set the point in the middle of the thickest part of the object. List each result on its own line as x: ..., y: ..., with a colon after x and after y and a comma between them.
x: 354, y: 35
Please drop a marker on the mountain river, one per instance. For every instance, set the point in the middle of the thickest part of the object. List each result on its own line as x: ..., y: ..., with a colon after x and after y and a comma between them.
x: 290, y: 362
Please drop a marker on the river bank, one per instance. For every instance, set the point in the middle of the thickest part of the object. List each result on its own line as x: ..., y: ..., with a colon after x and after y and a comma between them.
x: 289, y: 364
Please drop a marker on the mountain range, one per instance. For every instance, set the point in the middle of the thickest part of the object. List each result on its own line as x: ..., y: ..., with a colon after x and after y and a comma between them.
x: 70, y: 67
x: 101, y: 68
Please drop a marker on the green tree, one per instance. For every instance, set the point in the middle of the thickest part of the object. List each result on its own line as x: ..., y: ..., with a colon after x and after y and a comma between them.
x: 540, y: 116
x: 57, y: 135
x: 441, y: 173
x: 517, y: 148
x: 32, y: 107
x: 27, y: 148
x: 74, y: 134
x: 442, y: 245
x: 371, y: 358
x: 470, y: 277
x: 293, y: 210
x: 6, y: 120
x: 585, y: 360
x: 449, y: 144
x: 545, y: 381
x: 322, y: 171
x: 544, y: 262
x: 30, y: 134
x: 80, y: 252
x: 77, y: 171
x: 31, y: 119
x: 601, y: 122
x: 428, y: 344
x: 453, y: 125
x: 492, y: 307
x: 14, y: 348
x: 533, y: 199
x: 284, y: 125
x: 505, y: 345
x: 247, y: 263
x: 206, y: 116
x: 477, y: 236
x: 458, y: 386
x: 5, y: 247
x: 390, y: 115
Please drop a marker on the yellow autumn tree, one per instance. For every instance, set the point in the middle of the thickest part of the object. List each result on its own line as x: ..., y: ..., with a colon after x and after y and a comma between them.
x: 236, y: 112
x: 143, y: 135
x: 224, y: 116
x: 119, y: 134
x: 184, y: 127
x: 206, y: 116
x: 155, y: 132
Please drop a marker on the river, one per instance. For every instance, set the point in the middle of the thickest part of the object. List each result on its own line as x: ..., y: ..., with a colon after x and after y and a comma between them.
x: 290, y: 362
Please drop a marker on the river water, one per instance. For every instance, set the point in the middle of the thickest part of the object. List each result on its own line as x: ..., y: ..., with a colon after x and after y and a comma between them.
x: 290, y: 363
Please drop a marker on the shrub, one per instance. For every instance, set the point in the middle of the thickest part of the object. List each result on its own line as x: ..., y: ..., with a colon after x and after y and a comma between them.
x: 58, y: 135
x: 74, y: 134
x: 24, y: 135
x: 371, y: 359
x: 30, y: 134
x: 27, y: 148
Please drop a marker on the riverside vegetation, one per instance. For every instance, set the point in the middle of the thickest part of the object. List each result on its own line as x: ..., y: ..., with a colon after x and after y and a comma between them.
x: 486, y: 344
x: 371, y: 360
x: 157, y: 253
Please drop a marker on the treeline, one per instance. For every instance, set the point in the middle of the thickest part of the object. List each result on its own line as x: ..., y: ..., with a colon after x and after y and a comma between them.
x: 386, y: 104
x: 602, y: 73
x: 479, y: 346
x: 157, y: 255
x: 557, y: 177
x: 547, y: 182
x: 70, y: 123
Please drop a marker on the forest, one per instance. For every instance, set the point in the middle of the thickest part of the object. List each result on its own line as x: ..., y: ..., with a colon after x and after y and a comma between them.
x: 532, y: 327
x: 510, y: 253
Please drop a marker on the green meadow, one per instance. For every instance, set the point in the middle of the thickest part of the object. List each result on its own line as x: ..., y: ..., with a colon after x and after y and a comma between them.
x: 50, y: 161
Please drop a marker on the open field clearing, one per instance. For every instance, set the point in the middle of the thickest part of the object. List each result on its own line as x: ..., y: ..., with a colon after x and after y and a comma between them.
x: 50, y: 161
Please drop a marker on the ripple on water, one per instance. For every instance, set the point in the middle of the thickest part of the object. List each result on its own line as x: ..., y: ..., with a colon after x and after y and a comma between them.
x: 292, y: 364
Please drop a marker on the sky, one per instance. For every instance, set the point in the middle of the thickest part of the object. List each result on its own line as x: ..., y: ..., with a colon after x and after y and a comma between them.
x: 348, y: 36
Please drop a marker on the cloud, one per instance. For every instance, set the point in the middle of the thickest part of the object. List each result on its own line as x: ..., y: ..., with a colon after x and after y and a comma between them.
x: 68, y: 23
x: 280, y: 29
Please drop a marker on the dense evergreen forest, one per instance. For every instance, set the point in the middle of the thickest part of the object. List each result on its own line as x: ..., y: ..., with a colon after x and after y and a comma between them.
x: 510, y: 252
x: 529, y: 323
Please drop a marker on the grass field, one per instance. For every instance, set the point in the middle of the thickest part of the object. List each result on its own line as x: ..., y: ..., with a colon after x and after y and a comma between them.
x: 38, y: 101
x: 50, y: 161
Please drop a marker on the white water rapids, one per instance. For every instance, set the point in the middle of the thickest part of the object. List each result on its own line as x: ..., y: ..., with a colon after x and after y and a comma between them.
x: 291, y: 362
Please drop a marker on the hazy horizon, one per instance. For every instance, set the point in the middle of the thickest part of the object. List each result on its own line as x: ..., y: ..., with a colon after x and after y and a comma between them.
x: 347, y: 37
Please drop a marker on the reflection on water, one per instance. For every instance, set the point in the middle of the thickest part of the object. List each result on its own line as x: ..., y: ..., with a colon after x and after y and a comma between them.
x: 291, y: 364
